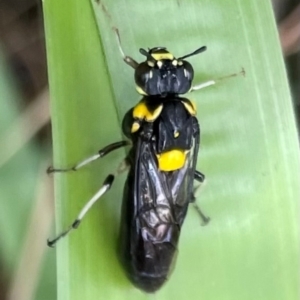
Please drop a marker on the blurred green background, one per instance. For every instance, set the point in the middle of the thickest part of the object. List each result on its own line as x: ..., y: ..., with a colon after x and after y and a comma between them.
x: 27, y: 267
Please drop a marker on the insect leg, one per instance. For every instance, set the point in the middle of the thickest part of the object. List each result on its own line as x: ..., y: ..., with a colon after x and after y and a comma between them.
x: 109, y: 148
x: 105, y: 187
x: 200, y: 177
x: 128, y: 60
x: 215, y: 81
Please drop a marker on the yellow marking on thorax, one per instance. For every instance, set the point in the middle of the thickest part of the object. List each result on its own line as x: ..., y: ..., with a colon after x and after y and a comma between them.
x: 142, y: 112
x: 160, y: 56
x: 190, y: 107
x: 140, y: 90
x: 171, y: 160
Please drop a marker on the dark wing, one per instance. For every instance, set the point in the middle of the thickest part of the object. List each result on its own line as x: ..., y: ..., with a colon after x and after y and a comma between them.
x: 161, y: 201
x: 154, y: 207
x: 154, y: 232
x: 153, y: 197
x: 161, y: 198
x: 181, y: 185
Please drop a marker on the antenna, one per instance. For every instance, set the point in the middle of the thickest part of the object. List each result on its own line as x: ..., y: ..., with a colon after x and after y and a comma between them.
x: 144, y: 52
x: 202, y: 49
x: 128, y: 60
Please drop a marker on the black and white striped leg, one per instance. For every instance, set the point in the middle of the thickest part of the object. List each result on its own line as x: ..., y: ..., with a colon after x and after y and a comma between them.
x: 101, y: 153
x: 105, y: 187
x: 208, y: 83
x: 200, y: 177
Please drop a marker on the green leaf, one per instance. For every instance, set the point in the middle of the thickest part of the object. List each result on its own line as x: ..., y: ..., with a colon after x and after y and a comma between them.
x: 249, y: 146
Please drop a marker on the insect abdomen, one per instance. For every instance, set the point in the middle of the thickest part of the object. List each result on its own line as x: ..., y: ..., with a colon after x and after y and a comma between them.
x: 151, y: 273
x: 147, y: 252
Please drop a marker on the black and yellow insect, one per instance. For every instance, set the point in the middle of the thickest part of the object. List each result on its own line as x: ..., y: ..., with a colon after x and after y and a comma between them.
x: 164, y: 135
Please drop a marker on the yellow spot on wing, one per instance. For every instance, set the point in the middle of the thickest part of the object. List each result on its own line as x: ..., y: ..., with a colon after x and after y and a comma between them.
x: 171, y: 160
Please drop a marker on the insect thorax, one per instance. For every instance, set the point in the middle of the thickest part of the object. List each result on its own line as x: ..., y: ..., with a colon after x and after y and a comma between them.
x: 171, y: 126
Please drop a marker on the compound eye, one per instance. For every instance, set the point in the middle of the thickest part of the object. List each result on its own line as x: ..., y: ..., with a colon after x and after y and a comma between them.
x: 186, y: 73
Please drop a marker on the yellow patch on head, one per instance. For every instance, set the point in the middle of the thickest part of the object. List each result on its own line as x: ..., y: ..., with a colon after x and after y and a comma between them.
x: 171, y: 160
x: 160, y: 56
